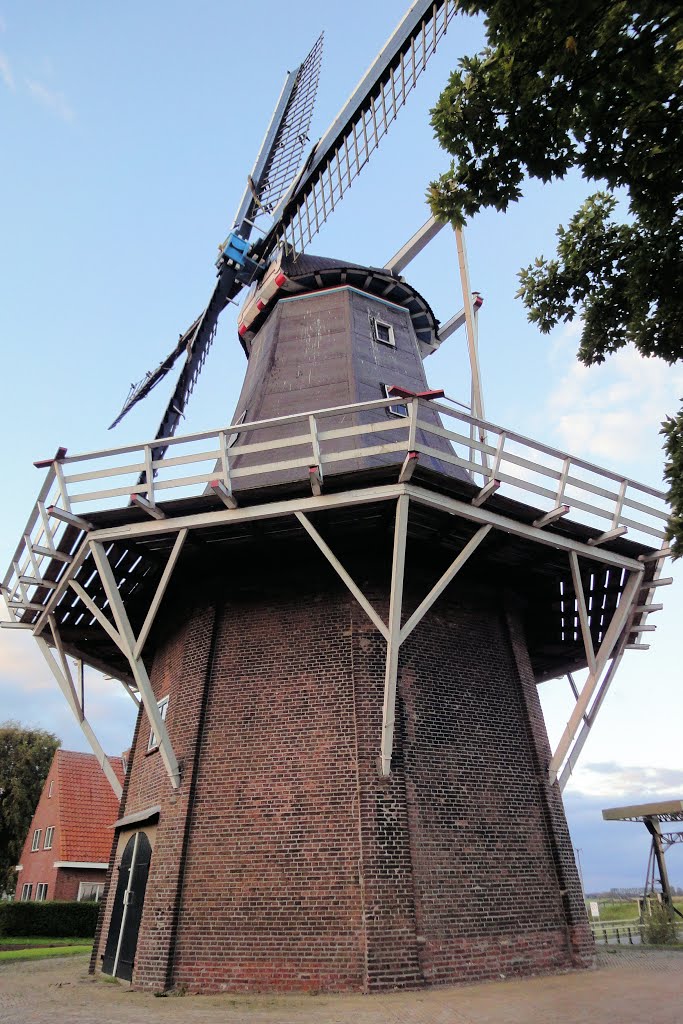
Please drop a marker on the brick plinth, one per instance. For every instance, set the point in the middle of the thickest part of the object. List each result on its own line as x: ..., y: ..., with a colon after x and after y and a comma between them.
x: 285, y: 861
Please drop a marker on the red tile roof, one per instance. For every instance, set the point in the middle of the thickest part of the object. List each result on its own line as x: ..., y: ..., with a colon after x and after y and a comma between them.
x: 87, y: 807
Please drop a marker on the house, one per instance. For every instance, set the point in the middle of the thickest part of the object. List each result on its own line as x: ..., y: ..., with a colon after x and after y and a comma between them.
x: 67, y: 848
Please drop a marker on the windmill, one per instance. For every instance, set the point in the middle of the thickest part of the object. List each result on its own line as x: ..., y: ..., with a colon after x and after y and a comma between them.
x: 333, y: 614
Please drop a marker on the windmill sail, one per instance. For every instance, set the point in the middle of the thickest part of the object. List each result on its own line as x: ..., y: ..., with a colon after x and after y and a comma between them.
x: 275, y: 166
x: 333, y: 164
x: 355, y: 133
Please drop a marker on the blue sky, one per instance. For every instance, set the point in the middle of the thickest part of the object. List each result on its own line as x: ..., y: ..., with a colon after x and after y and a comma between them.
x: 126, y: 135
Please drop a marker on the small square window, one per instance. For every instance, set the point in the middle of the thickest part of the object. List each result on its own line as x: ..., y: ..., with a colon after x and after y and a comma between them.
x: 41, y: 891
x: 383, y: 332
x: 26, y: 890
x: 163, y: 709
x: 49, y: 833
x: 36, y: 840
x: 400, y: 409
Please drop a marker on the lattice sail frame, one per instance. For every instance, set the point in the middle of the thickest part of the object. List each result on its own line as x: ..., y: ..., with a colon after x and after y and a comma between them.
x: 359, y: 127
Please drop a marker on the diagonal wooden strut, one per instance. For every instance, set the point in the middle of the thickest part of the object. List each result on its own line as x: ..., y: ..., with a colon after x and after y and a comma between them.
x: 62, y: 675
x: 138, y: 669
x: 619, y: 619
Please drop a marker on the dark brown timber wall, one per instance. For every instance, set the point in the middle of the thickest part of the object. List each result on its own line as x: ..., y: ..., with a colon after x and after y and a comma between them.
x: 285, y: 861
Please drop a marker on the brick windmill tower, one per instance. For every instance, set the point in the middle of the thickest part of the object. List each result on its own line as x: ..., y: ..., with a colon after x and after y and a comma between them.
x: 334, y: 614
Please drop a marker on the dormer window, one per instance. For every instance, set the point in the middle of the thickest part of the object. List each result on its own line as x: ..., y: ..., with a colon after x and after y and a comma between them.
x: 382, y: 332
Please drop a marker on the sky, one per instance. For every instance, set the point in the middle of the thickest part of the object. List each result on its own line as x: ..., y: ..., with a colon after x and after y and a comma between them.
x: 126, y: 134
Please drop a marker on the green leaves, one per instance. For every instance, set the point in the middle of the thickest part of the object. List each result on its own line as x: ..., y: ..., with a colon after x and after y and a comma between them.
x: 596, y: 86
x: 25, y: 759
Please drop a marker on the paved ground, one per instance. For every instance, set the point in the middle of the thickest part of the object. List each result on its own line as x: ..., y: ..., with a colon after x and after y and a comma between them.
x: 629, y: 987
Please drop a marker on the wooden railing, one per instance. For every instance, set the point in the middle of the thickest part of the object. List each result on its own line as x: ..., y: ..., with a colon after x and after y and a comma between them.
x: 328, y: 439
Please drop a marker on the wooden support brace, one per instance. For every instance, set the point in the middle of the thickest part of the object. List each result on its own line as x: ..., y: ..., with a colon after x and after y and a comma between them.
x: 68, y: 517
x: 644, y: 628
x: 637, y: 647
x: 664, y: 581
x: 408, y: 468
x: 226, y: 496
x: 654, y: 556
x: 60, y: 556
x: 647, y: 609
x: 147, y: 506
x: 31, y: 581
x: 550, y: 517
x: 607, y: 536
x: 485, y: 493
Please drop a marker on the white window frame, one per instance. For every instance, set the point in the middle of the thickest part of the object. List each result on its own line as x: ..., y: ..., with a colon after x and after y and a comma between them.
x: 400, y: 409
x: 232, y: 438
x: 52, y: 786
x: 49, y: 836
x: 26, y: 892
x: 376, y: 324
x: 41, y: 892
x: 153, y: 742
x: 35, y: 845
x: 97, y: 886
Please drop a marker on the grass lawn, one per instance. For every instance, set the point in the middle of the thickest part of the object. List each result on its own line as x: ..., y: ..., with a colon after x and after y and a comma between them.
x: 28, y: 947
x: 41, y: 940
x: 622, y: 910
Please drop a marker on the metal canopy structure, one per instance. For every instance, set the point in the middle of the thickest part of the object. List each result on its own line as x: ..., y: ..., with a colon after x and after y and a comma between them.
x: 653, y: 815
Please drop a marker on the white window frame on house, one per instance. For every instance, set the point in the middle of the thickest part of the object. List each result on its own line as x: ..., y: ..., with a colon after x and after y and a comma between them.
x: 49, y: 836
x: 400, y: 409
x: 26, y: 891
x: 41, y: 892
x: 153, y: 742
x: 35, y: 845
x: 90, y: 890
x: 382, y: 332
x: 52, y: 786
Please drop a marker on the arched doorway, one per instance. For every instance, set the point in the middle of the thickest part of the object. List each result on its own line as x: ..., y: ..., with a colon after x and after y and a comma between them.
x: 122, y: 941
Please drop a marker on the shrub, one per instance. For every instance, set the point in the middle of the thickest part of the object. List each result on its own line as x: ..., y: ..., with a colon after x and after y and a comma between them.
x: 49, y: 918
x: 658, y: 927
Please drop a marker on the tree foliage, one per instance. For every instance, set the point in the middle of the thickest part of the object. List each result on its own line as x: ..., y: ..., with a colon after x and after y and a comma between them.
x: 592, y: 86
x: 25, y: 759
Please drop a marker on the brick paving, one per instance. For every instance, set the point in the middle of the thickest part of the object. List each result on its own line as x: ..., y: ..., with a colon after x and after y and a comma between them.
x: 629, y: 987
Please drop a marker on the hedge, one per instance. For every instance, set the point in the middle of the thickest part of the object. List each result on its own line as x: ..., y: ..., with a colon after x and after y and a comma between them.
x: 52, y: 918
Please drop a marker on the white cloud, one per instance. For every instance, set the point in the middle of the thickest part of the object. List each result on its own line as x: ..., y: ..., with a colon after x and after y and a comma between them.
x: 54, y: 101
x: 627, y: 783
x: 6, y: 72
x: 613, y: 411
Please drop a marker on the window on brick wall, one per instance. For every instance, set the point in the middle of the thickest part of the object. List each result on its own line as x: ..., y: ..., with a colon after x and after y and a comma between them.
x: 52, y: 786
x: 49, y: 833
x: 163, y: 710
x: 400, y: 409
x: 90, y: 891
x: 382, y: 331
x: 26, y: 890
x: 35, y: 845
x: 41, y: 891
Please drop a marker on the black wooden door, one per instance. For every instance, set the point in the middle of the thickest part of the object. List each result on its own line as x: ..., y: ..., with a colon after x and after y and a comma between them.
x: 119, y: 954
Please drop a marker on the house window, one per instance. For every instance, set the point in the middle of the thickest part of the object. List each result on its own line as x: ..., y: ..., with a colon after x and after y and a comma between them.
x: 90, y: 891
x: 41, y: 891
x: 36, y: 840
x: 400, y: 409
x: 163, y: 709
x: 382, y: 331
x: 26, y: 892
x: 52, y: 786
x: 49, y: 833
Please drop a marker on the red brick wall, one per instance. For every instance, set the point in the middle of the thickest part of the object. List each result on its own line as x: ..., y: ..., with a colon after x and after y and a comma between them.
x: 69, y: 879
x: 296, y: 865
x: 37, y: 866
